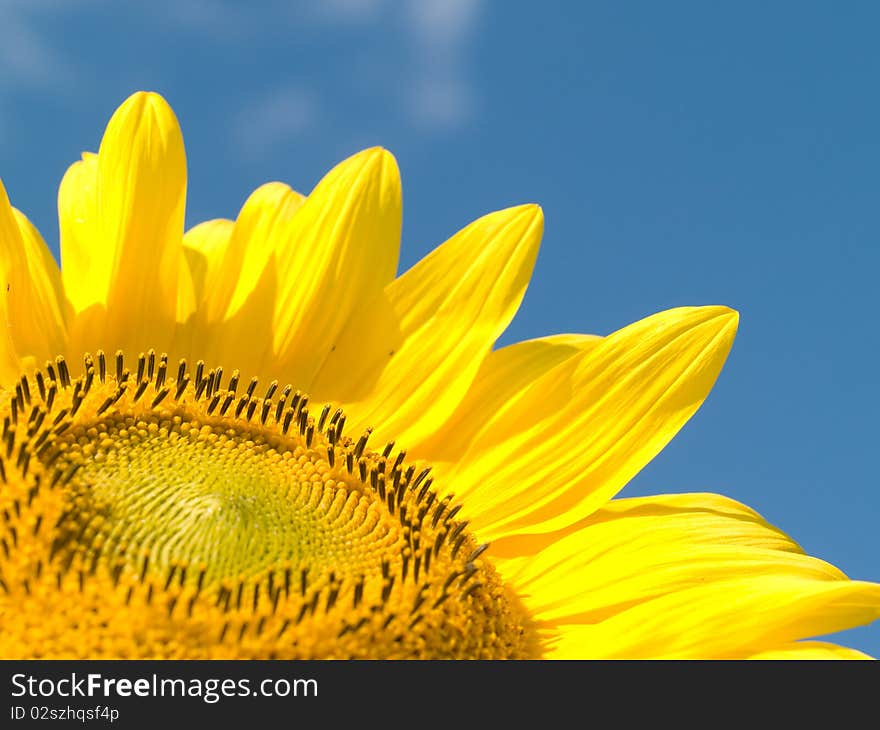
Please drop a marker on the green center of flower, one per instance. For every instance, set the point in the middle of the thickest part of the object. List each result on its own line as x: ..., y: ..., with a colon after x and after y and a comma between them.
x: 183, y: 494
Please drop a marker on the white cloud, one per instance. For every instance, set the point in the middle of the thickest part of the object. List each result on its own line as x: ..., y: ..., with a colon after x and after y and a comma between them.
x: 26, y: 58
x: 444, y: 23
x: 440, y: 95
x: 441, y: 103
x: 429, y: 83
x: 348, y: 11
x: 426, y: 76
x: 215, y: 19
x: 277, y: 117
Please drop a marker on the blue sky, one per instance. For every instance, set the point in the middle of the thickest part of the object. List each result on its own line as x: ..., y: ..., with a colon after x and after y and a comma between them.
x: 683, y: 152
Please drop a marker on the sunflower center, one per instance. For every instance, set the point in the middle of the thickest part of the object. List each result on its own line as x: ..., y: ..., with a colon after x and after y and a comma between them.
x: 184, y: 493
x: 191, y: 519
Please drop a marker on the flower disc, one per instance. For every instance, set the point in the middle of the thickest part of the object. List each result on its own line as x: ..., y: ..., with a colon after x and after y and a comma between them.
x: 152, y: 516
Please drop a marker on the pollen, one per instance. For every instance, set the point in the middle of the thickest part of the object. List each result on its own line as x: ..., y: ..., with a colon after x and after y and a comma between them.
x: 158, y: 511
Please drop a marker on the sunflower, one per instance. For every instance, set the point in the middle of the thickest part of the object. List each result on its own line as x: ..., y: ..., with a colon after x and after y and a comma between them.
x: 253, y: 440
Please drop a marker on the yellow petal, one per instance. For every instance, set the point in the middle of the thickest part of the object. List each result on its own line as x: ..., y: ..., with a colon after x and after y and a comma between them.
x: 10, y: 365
x: 234, y: 323
x: 34, y: 308
x: 85, y: 269
x: 262, y: 225
x: 49, y: 304
x: 635, y: 550
x: 682, y: 575
x: 725, y: 619
x: 809, y: 650
x: 406, y: 360
x: 141, y: 197
x: 505, y: 374
x: 589, y: 425
x: 204, y: 246
x: 341, y: 253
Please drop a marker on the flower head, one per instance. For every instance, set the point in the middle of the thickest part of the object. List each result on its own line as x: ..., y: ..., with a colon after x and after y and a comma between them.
x: 253, y: 440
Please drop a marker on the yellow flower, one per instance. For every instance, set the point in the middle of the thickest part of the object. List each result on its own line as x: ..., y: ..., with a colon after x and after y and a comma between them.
x: 158, y: 502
